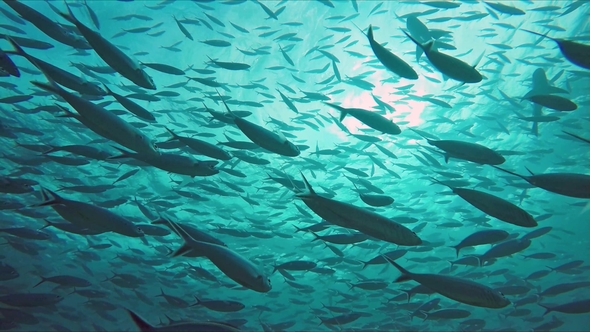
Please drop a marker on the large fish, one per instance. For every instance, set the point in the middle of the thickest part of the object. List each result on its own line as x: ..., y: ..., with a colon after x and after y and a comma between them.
x: 263, y: 137
x: 449, y: 66
x: 567, y: 184
x: 112, y: 55
x: 353, y: 217
x: 460, y: 290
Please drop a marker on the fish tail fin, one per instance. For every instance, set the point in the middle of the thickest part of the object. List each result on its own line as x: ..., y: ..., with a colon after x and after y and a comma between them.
x: 361, y: 29
x: 405, y: 273
x: 457, y: 249
x: 197, y: 302
x: 186, y: 247
x: 309, y: 192
x: 343, y: 115
x: 123, y: 154
x: 507, y: 171
x: 547, y: 309
x: 51, y: 87
x: 425, y: 315
x: 423, y: 47
x: 19, y: 50
x: 140, y: 322
x: 43, y: 279
x: 69, y: 16
x: 315, y: 236
x: 108, y: 91
x: 535, y: 33
x: 174, y: 136
x: 51, y: 149
x: 47, y: 224
x: 49, y: 198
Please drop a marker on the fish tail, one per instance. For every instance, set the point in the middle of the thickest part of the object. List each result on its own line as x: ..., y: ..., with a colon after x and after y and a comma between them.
x: 343, y: 115
x: 316, y: 237
x: 140, y: 322
x: 405, y: 273
x: 19, y: 50
x: 49, y: 198
x: 69, y: 16
x: 457, y: 249
x: 47, y: 224
x: 423, y: 47
x: 51, y: 149
x: 507, y: 171
x: 309, y: 192
x: 547, y: 309
x: 174, y: 136
x: 47, y: 87
x: 535, y: 33
x: 40, y: 282
x: 123, y: 154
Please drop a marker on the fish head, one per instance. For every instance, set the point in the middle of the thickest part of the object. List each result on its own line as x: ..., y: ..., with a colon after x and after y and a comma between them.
x: 206, y: 167
x: 137, y: 231
x: 262, y: 284
x: 500, y: 300
x: 291, y: 149
x: 145, y: 145
x: 147, y: 79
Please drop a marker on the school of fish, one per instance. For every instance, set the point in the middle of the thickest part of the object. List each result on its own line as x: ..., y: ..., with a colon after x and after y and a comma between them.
x: 247, y: 165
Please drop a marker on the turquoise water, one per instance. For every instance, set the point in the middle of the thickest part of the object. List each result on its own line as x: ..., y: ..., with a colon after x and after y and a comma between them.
x: 312, y: 46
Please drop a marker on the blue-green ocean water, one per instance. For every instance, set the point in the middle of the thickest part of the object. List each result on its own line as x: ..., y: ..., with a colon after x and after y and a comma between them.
x: 258, y: 217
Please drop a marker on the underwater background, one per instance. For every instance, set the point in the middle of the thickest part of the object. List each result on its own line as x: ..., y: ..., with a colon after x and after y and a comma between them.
x: 287, y: 66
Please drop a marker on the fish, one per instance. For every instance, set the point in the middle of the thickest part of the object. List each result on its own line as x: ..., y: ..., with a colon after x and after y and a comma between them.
x: 174, y: 163
x: 389, y: 60
x: 7, y: 65
x: 230, y: 65
x: 90, y: 215
x: 576, y: 53
x: 353, y: 217
x: 449, y: 66
x: 482, y: 237
x: 264, y: 138
x: 460, y: 290
x: 48, y: 26
x: 494, y: 206
x: 131, y: 106
x: 566, y: 184
x: 554, y: 102
x: 201, y: 147
x: 230, y: 263
x: 183, y: 29
x: 144, y: 326
x: 103, y: 122
x: 466, y: 151
x: 371, y: 119
x: 112, y: 55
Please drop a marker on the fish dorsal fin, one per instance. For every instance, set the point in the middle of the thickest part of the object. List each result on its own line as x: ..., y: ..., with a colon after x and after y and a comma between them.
x: 429, y: 46
x: 308, y: 188
x: 529, y: 170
